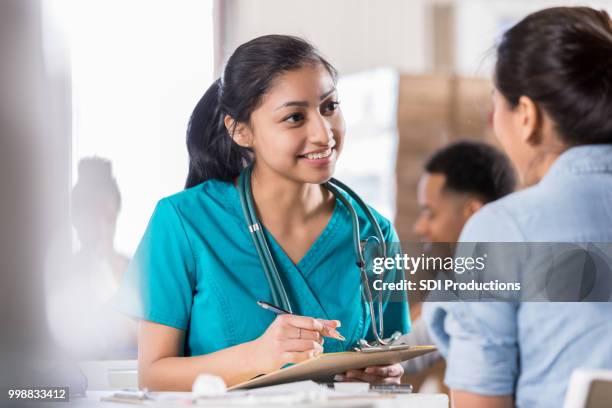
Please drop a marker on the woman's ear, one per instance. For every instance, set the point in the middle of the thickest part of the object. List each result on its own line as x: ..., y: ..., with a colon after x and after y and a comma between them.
x: 239, y: 132
x: 529, y: 120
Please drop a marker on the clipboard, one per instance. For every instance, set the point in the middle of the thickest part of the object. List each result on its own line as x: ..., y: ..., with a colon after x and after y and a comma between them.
x: 323, y: 368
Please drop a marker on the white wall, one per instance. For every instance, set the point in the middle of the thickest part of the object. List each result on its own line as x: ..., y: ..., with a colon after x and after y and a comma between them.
x: 361, y: 34
x: 480, y: 23
x: 354, y: 34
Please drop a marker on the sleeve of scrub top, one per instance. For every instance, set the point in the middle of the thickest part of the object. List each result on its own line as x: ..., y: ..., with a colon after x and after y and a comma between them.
x: 397, y: 315
x: 479, y: 340
x: 159, y: 283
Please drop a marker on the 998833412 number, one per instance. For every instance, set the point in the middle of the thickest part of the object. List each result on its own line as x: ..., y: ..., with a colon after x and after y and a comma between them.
x: 46, y: 394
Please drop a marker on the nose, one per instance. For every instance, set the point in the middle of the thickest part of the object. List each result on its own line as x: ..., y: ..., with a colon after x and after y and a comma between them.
x: 321, y: 131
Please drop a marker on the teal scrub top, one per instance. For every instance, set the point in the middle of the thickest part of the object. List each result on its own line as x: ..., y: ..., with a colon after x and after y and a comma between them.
x: 196, y: 269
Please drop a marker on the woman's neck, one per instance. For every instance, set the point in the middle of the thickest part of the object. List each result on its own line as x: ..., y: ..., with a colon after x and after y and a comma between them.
x: 287, y: 202
x: 540, y: 164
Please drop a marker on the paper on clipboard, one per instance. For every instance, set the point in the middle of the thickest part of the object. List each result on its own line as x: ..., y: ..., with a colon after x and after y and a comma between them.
x: 324, y: 367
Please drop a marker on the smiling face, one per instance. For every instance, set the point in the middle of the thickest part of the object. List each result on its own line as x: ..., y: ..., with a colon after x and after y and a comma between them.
x: 297, y: 131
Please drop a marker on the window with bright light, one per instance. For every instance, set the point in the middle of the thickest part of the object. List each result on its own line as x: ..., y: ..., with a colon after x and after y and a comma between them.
x: 138, y: 69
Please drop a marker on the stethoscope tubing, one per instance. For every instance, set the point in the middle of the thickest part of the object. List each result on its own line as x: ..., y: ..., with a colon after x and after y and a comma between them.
x: 277, y: 288
x: 361, y: 263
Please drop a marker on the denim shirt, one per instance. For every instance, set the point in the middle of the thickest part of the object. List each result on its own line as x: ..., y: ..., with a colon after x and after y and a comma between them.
x: 529, y: 350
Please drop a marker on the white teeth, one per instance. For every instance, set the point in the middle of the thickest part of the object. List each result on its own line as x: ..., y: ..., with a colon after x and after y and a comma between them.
x: 314, y: 156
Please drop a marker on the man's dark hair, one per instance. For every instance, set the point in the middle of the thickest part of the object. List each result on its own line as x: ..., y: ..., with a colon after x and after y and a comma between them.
x: 474, y: 167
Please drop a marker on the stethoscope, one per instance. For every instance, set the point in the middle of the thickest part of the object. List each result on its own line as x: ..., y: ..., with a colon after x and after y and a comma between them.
x: 278, y: 292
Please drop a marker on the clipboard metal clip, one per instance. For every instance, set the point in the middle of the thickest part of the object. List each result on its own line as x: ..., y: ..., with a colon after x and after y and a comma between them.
x: 395, y: 342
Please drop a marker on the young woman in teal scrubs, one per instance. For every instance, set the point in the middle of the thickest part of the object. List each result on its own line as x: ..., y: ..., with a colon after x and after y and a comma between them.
x: 196, y: 269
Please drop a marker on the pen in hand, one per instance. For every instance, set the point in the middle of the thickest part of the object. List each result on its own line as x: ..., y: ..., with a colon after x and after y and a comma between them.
x: 275, y: 309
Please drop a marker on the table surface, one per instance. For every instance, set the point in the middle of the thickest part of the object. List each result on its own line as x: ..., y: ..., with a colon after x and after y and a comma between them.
x: 387, y: 401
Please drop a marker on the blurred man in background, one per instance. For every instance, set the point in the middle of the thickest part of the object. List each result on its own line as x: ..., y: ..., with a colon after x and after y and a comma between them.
x: 93, y: 329
x: 458, y: 180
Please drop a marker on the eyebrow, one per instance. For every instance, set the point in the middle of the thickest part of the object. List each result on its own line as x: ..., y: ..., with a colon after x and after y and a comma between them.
x: 304, y: 103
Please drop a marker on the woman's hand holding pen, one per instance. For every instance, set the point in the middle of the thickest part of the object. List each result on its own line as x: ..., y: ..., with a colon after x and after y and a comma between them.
x: 292, y: 339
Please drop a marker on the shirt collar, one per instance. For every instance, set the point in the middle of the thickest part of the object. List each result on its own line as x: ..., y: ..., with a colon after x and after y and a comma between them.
x: 584, y: 159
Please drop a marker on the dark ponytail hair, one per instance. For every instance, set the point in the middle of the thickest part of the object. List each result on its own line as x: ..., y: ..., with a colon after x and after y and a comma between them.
x: 561, y: 58
x: 247, y: 76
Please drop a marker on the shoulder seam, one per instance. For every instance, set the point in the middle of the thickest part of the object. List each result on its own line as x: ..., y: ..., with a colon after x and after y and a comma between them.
x: 178, y: 215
